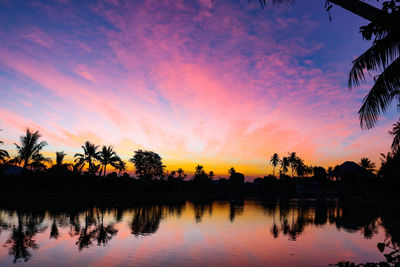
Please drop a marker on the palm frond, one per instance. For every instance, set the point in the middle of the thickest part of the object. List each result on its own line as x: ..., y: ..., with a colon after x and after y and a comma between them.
x: 396, y: 133
x: 378, y: 56
x: 385, y: 89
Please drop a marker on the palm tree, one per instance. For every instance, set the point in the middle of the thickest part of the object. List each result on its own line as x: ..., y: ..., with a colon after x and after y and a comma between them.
x: 199, y: 169
x: 108, y: 156
x: 60, y: 165
x: 60, y: 158
x: 396, y: 140
x: 382, y: 56
x: 367, y: 164
x: 285, y: 164
x: 121, y: 166
x: 275, y: 161
x: 180, y: 173
x: 39, y: 162
x: 29, y: 148
x: 90, y: 154
x: 3, y: 154
x: 293, y: 160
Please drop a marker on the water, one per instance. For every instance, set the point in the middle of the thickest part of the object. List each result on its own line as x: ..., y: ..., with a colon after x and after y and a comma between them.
x: 218, y: 233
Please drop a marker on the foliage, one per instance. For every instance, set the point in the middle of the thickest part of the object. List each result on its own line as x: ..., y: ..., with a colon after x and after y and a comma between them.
x: 90, y: 155
x: 108, y: 156
x: 29, y: 149
x: 148, y: 164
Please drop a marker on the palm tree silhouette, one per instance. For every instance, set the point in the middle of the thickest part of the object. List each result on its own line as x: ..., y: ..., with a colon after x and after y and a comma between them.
x: 121, y: 166
x: 293, y: 160
x: 180, y: 173
x: 90, y: 154
x: 367, y: 164
x: 3, y: 154
x: 383, y: 56
x: 39, y: 162
x: 30, y: 148
x: 275, y: 161
x: 285, y: 164
x: 108, y: 156
x: 396, y: 140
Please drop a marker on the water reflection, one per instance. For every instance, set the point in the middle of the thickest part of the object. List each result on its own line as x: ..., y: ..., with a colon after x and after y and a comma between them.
x: 98, y: 226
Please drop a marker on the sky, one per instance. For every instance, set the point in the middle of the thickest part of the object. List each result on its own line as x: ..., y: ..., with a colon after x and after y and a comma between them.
x: 224, y: 83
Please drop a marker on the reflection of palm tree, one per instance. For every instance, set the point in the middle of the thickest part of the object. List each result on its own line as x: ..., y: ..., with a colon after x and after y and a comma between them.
x: 275, y: 161
x: 21, y: 238
x: 104, y: 233
x: 90, y: 154
x: 29, y: 148
x: 146, y: 220
x: 54, y: 233
x: 108, y: 156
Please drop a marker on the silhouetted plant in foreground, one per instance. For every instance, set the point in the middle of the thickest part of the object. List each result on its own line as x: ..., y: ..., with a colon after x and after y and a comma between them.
x: 367, y: 164
x: 29, y: 149
x: 396, y: 137
x: 392, y: 258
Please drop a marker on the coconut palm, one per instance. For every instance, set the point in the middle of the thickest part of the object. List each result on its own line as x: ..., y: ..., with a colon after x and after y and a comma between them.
x: 180, y: 173
x: 39, y: 162
x: 29, y: 148
x: 367, y: 164
x: 293, y: 160
x: 275, y: 161
x: 3, y: 154
x: 396, y: 140
x: 90, y: 155
x: 60, y: 158
x: 121, y: 166
x: 285, y: 164
x: 108, y: 156
x: 382, y: 56
x: 60, y: 165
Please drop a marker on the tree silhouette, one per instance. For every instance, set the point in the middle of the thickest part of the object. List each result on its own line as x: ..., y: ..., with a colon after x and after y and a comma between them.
x: 285, y: 164
x: 367, y: 164
x: 3, y: 154
x: 121, y: 166
x: 39, y: 162
x: 180, y: 173
x: 274, y: 161
x: 108, y: 156
x: 30, y: 147
x: 383, y: 56
x: 293, y: 161
x: 90, y: 154
x: 396, y: 140
x: 148, y: 164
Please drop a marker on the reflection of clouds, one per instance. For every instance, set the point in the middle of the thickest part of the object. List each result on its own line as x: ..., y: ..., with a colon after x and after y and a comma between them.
x: 187, y: 232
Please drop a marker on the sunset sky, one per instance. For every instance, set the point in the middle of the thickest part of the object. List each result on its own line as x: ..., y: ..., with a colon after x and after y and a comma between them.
x: 221, y: 84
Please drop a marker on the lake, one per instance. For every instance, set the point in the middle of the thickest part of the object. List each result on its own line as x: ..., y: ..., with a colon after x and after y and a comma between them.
x: 214, y: 233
